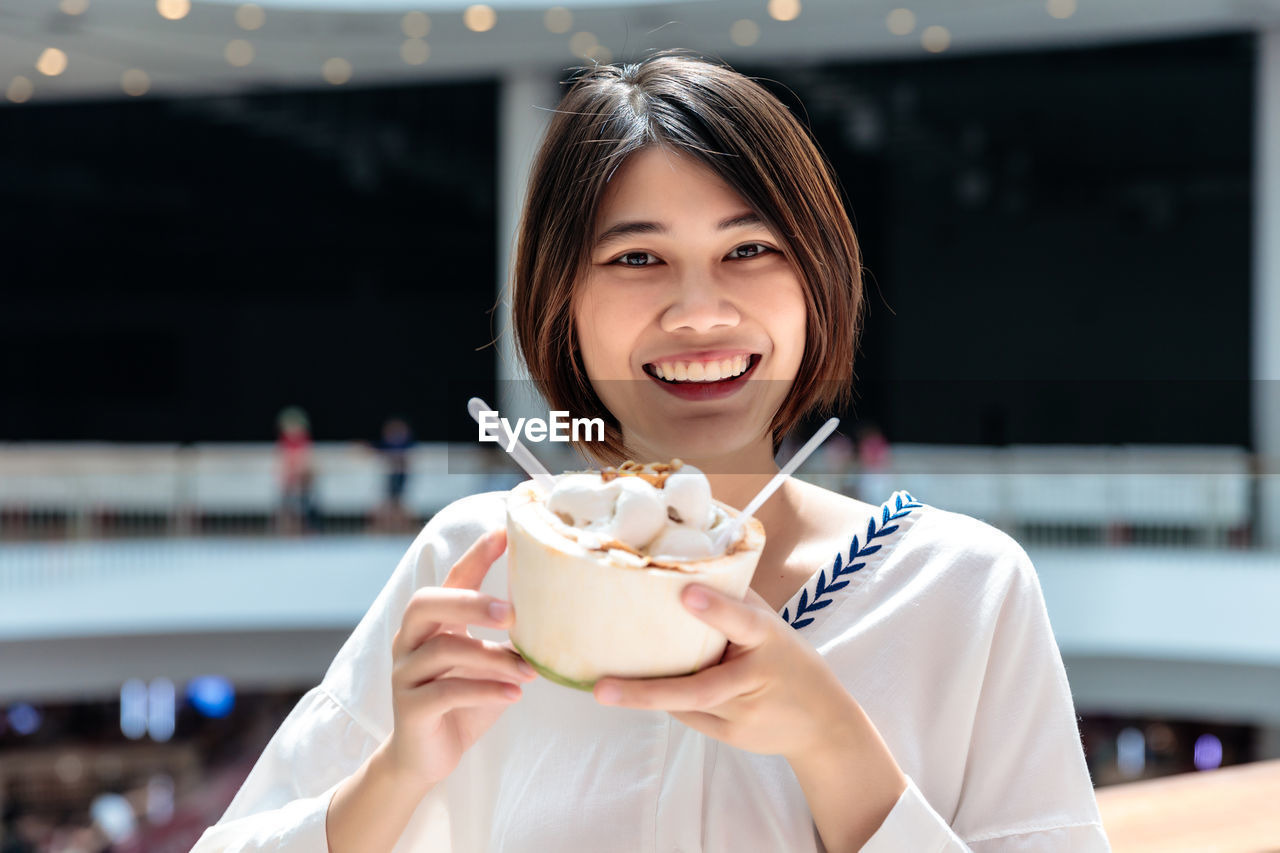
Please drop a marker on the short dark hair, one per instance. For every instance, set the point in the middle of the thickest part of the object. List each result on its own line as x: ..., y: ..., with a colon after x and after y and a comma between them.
x: 752, y: 142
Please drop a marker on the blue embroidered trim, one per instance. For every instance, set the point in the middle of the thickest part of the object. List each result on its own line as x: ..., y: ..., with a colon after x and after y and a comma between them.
x: 896, y: 508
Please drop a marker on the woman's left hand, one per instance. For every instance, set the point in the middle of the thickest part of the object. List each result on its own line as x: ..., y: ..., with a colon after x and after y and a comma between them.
x: 771, y: 693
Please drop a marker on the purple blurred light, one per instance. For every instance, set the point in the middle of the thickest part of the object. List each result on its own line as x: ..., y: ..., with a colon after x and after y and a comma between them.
x: 1208, y: 752
x: 24, y: 718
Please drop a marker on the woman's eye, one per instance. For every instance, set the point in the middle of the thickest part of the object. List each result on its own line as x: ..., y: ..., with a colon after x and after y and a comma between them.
x: 636, y: 259
x: 749, y: 250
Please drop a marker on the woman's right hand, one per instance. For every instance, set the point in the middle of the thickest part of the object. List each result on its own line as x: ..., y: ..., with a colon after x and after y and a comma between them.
x: 447, y: 686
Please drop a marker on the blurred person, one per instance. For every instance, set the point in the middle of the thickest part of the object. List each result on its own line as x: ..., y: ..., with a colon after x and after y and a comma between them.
x: 297, y: 472
x: 875, y: 462
x: 394, y: 446
x: 20, y: 830
x: 677, y: 209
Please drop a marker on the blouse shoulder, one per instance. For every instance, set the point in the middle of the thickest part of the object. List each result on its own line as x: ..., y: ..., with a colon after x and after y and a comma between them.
x: 959, y: 551
x: 450, y: 532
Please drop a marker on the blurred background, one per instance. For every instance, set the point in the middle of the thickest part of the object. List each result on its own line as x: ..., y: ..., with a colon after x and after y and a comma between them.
x: 252, y: 259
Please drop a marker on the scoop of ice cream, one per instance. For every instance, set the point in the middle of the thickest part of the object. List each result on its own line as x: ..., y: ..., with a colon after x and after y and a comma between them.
x: 681, y: 543
x: 582, y: 500
x: 640, y: 513
x: 688, y: 494
x: 659, y: 509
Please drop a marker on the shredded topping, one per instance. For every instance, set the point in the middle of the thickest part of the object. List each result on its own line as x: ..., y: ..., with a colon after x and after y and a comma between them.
x: 653, y: 473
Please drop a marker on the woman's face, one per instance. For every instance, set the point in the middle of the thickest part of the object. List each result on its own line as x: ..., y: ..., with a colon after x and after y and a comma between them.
x: 691, y: 321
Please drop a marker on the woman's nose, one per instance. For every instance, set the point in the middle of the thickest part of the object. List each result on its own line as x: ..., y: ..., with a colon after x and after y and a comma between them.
x: 698, y: 304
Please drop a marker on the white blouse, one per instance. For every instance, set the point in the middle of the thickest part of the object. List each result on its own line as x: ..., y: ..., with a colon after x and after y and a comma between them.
x: 933, y: 621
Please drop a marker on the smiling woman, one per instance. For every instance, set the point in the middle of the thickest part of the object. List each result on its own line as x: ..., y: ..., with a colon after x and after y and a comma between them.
x: 672, y: 192
x: 686, y: 272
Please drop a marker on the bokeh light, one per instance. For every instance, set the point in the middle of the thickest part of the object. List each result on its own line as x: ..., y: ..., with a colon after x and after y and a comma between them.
x: 558, y: 19
x: 415, y: 51
x: 583, y: 43
x: 238, y: 52
x: 415, y: 25
x: 784, y: 10
x: 173, y: 10
x: 479, y: 18
x: 25, y: 719
x: 52, y: 62
x: 336, y: 70
x: 936, y: 39
x: 1208, y: 752
x: 1131, y: 752
x: 211, y: 695
x: 19, y: 90
x: 1061, y: 9
x: 135, y: 82
x: 744, y: 32
x: 162, y: 711
x: 250, y: 16
x: 901, y: 22
x: 73, y: 7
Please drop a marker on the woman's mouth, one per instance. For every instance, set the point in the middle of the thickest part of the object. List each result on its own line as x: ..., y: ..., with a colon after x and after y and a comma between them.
x: 703, y: 380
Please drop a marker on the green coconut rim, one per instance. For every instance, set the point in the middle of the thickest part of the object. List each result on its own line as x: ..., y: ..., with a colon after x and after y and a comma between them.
x: 586, y: 686
x: 551, y: 675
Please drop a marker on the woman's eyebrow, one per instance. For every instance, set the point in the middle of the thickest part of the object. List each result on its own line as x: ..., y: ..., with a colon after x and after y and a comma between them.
x: 627, y: 229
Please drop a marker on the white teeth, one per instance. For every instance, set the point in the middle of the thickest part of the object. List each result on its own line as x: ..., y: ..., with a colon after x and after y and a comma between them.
x: 702, y: 371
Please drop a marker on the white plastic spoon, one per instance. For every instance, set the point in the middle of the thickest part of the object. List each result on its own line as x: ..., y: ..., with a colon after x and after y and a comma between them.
x: 729, y: 532
x: 526, y: 460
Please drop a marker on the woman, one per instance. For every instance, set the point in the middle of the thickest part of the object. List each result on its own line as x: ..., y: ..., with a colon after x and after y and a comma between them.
x: 891, y: 684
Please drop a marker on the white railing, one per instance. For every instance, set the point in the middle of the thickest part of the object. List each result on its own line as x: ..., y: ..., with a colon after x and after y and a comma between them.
x: 1055, y: 495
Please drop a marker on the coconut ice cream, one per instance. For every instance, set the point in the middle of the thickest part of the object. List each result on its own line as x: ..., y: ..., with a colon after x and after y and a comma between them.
x: 596, y: 568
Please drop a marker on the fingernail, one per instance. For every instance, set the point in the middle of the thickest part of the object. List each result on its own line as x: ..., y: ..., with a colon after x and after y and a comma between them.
x: 500, y: 611
x: 512, y: 691
x: 696, y: 599
x: 525, y: 669
x: 608, y: 694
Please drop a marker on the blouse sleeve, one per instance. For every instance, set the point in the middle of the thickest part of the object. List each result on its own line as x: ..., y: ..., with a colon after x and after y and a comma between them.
x: 1026, y: 787
x: 336, y: 726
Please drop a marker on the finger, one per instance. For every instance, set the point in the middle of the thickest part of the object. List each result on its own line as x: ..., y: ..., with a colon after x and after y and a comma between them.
x: 743, y: 622
x: 444, y: 653
x: 433, y: 607
x: 710, y: 688
x: 469, y: 571
x: 708, y: 724
x: 440, y: 697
